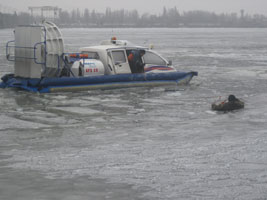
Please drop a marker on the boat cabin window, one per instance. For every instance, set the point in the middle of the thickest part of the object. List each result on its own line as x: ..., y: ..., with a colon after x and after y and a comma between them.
x: 152, y: 58
x: 119, y: 57
x: 92, y: 55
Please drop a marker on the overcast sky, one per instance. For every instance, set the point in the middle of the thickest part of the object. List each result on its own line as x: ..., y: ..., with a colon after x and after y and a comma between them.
x: 151, y: 6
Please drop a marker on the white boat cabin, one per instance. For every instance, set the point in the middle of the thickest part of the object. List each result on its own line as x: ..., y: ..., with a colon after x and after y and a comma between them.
x: 114, y: 56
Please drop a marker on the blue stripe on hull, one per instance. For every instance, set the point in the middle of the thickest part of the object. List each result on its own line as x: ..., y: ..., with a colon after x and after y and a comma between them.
x: 114, y: 85
x: 97, y: 82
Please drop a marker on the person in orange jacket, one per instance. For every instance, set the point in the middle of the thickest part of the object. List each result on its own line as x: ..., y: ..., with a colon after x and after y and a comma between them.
x: 135, y: 60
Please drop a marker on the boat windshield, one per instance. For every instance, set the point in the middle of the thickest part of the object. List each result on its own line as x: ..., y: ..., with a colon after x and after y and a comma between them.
x: 152, y: 58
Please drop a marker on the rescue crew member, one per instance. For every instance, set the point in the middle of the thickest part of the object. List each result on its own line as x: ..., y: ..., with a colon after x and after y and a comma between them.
x: 135, y: 61
x: 232, y: 104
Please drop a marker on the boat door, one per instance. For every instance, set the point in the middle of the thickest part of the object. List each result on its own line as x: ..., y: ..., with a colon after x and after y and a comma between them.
x: 119, y: 61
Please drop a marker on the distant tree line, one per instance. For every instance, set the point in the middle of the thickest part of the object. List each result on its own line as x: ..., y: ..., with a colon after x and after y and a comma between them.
x: 11, y: 20
x: 125, y: 18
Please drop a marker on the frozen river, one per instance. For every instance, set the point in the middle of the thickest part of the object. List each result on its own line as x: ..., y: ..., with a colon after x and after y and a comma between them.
x: 143, y: 143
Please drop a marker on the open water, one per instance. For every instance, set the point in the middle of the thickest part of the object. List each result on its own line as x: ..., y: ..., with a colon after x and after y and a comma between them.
x: 143, y: 143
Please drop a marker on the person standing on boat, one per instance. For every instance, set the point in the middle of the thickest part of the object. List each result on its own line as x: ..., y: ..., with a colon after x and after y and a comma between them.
x: 135, y: 60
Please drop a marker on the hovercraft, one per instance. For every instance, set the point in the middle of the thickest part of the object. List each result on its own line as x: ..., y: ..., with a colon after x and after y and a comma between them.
x: 42, y: 66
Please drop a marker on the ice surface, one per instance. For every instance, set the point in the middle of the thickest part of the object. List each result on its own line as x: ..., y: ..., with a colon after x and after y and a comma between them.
x: 145, y: 143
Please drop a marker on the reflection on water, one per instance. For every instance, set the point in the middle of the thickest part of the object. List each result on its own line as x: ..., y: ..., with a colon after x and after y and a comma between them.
x: 144, y: 143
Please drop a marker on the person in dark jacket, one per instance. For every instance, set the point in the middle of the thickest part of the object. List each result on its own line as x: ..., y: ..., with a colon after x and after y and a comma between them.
x: 135, y: 60
x: 232, y: 104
